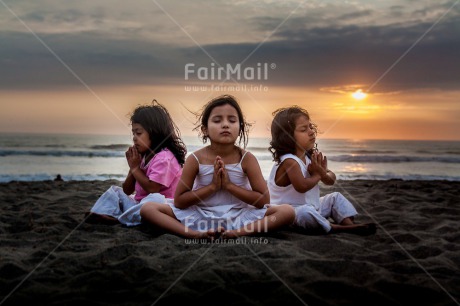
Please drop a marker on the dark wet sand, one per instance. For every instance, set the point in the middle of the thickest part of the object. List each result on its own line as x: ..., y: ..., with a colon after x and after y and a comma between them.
x: 49, y: 257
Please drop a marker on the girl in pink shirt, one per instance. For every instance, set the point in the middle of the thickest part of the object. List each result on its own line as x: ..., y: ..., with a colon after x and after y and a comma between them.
x: 155, y: 167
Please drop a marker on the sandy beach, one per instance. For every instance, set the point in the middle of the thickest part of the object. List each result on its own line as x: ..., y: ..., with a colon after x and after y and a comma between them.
x: 49, y: 256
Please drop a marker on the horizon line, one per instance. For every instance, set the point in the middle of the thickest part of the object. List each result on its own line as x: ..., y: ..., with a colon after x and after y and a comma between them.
x: 189, y: 136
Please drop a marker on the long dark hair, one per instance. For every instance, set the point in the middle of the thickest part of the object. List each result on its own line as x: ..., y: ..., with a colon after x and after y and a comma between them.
x: 282, y: 129
x: 219, y: 101
x: 163, y: 132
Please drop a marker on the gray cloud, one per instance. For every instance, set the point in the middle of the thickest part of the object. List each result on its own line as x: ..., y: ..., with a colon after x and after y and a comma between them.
x: 354, y: 15
x: 306, y: 55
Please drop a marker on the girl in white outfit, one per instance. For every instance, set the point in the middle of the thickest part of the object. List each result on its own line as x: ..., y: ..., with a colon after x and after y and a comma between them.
x: 298, y: 170
x: 222, y: 190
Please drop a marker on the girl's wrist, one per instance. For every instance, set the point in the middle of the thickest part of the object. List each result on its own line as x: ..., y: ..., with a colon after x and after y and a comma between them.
x: 213, y: 187
x: 227, y: 186
x: 323, y: 173
x: 317, y: 176
x: 134, y: 169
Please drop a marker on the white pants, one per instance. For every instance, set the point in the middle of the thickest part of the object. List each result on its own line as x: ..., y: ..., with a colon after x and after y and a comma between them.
x: 114, y: 202
x: 333, y: 205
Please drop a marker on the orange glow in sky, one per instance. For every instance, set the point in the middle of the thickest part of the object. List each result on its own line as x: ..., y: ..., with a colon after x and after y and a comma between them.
x: 402, y: 116
x: 84, y: 72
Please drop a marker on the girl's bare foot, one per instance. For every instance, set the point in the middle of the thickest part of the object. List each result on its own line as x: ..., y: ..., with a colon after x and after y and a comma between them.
x: 100, y: 219
x: 364, y: 229
x: 211, y: 234
x: 229, y: 235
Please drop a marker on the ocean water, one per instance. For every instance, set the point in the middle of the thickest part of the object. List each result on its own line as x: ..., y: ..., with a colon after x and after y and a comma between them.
x: 36, y: 157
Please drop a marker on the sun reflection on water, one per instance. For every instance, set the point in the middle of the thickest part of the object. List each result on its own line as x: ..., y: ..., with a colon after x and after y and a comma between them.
x: 355, y: 168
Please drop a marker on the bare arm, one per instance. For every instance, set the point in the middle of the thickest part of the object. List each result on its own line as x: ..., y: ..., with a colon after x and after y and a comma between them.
x: 185, y: 196
x: 145, y: 182
x: 259, y: 195
x: 137, y: 175
x: 298, y: 181
x: 130, y: 181
x: 128, y: 184
x: 328, y: 177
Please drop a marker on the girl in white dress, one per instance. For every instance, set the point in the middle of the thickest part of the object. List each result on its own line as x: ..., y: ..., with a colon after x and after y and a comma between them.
x: 298, y: 170
x: 222, y: 190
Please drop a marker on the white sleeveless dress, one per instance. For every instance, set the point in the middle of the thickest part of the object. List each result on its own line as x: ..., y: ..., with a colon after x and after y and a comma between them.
x: 311, y: 210
x: 221, y: 208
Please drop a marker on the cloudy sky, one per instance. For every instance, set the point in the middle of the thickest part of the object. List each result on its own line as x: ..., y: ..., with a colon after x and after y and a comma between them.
x: 82, y: 66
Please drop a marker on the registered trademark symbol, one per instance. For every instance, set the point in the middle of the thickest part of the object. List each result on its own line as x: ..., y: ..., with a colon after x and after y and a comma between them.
x: 272, y: 66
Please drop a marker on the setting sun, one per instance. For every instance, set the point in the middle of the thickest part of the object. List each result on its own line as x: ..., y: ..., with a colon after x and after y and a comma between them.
x: 359, y: 94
